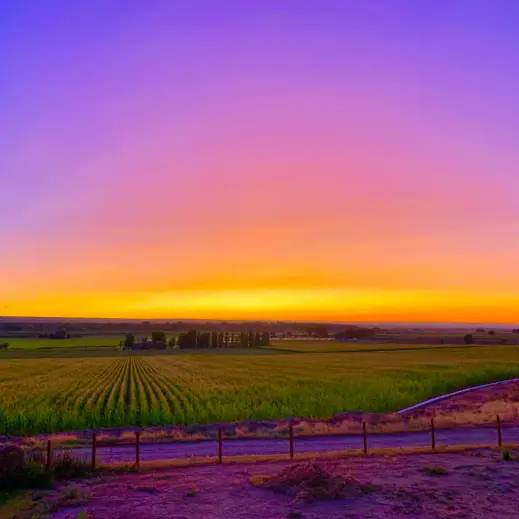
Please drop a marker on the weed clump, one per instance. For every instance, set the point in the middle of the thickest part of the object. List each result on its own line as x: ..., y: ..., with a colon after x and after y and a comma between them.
x: 507, y: 454
x: 29, y: 475
x: 435, y: 471
x: 22, y: 470
x: 84, y: 515
x: 65, y: 465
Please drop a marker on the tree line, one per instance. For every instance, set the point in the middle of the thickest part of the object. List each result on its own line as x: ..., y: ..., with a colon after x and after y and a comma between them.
x: 194, y: 339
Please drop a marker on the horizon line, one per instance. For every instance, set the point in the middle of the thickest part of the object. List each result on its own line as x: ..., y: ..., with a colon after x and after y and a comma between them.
x: 191, y: 319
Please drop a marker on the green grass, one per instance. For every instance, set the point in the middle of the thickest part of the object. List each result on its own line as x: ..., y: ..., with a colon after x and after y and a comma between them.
x: 436, y: 471
x: 7, y: 495
x: 87, y: 341
x: 329, y: 346
x: 47, y: 392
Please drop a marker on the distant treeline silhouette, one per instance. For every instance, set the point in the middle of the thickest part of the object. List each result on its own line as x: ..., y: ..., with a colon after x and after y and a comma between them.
x: 194, y: 339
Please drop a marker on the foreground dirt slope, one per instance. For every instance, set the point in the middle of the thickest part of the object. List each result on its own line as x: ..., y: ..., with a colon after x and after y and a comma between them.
x: 478, y: 484
x: 476, y: 406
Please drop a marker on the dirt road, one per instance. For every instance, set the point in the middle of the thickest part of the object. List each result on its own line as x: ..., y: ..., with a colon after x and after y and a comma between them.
x: 150, y: 452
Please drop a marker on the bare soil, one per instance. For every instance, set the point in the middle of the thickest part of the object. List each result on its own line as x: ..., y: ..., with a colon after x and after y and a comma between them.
x: 475, y: 484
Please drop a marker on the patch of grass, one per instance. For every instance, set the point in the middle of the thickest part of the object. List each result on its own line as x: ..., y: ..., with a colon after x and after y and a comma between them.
x: 31, y: 475
x: 191, y: 493
x: 435, y: 471
x: 32, y: 343
x: 71, y: 493
x: 8, y: 495
x: 21, y: 506
x: 84, y: 515
x: 71, y: 497
x: 506, y: 454
x: 34, y: 474
x: 65, y: 465
x: 41, y: 505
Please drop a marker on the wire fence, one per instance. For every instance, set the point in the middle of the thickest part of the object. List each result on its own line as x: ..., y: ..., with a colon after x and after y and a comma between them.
x: 217, y: 451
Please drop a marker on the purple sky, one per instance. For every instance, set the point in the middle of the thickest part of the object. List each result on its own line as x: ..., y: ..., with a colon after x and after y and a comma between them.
x: 327, y: 159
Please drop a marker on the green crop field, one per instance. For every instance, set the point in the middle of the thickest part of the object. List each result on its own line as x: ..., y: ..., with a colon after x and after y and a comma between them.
x: 87, y: 341
x: 326, y: 346
x: 44, y: 391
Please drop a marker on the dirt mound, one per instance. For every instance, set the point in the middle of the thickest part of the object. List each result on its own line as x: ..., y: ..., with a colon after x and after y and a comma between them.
x: 308, y: 482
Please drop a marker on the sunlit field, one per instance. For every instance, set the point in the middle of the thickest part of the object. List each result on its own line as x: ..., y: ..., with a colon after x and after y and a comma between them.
x: 87, y: 341
x: 46, y: 391
x: 327, y: 346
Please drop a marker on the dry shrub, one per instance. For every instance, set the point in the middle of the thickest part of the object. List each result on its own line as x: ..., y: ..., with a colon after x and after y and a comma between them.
x: 11, y: 459
x: 308, y: 482
x: 65, y: 465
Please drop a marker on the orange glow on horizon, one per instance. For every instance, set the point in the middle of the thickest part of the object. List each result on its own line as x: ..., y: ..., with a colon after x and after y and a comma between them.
x: 279, y: 304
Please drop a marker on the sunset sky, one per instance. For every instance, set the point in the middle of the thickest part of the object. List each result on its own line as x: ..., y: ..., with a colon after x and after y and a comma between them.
x: 279, y: 159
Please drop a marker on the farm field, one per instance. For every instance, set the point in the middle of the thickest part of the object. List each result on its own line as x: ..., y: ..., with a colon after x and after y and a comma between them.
x: 86, y: 341
x: 48, y: 392
x: 327, y: 346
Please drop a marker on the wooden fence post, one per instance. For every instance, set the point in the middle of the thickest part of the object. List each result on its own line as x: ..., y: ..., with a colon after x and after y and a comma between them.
x: 94, y: 442
x: 49, y: 454
x: 137, y: 448
x: 291, y: 441
x: 365, y: 437
x: 433, y: 435
x: 220, y: 447
x: 499, y: 434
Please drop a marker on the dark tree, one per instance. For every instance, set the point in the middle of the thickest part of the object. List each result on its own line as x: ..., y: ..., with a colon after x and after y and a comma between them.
x: 226, y: 340
x: 220, y: 340
x: 182, y: 341
x: 158, y: 336
x: 257, y: 339
x: 265, y: 339
x: 214, y: 340
x: 469, y: 339
x: 491, y: 332
x: 172, y: 342
x: 251, y: 340
x: 129, y: 341
x: 204, y: 340
x: 244, y: 340
x: 233, y: 342
x: 192, y: 338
